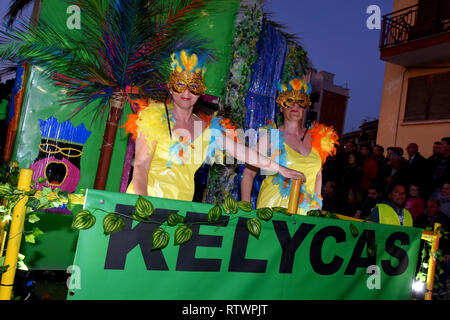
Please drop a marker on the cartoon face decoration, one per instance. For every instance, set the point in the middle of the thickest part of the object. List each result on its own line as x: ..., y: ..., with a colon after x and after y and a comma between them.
x: 60, y: 152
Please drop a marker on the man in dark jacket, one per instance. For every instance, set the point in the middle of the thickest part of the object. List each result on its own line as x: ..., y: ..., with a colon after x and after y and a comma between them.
x: 416, y: 166
x: 373, y: 198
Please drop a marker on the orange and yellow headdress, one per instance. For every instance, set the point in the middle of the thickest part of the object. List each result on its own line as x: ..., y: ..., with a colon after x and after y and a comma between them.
x: 296, y: 91
x: 187, y: 73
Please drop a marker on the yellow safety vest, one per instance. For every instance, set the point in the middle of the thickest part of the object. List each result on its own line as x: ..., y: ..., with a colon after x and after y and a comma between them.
x: 388, y: 216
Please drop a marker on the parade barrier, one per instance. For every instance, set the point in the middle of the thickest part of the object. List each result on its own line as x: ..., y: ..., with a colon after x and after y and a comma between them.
x: 295, y: 257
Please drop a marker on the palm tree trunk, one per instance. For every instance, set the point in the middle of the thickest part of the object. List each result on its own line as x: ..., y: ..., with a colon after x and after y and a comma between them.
x: 117, y: 103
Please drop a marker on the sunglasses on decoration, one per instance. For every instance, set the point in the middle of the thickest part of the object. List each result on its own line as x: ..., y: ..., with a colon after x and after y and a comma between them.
x: 53, y: 149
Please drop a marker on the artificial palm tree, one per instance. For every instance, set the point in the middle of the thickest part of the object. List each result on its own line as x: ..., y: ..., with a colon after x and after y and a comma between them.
x: 124, y: 45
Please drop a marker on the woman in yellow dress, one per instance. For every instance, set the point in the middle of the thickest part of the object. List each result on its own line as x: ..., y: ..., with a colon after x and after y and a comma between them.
x: 165, y: 159
x: 296, y: 147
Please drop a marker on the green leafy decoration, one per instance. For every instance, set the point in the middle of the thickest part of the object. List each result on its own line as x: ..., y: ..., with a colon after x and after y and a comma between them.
x: 30, y: 238
x: 144, y: 208
x: 182, y: 235
x: 264, y: 214
x: 245, y: 206
x: 254, y: 227
x: 174, y: 219
x: 112, y: 223
x: 353, y: 230
x: 32, y: 202
x: 41, y: 180
x: 230, y: 205
x: 314, y: 213
x: 214, y: 214
x: 280, y: 209
x: 331, y: 215
x: 83, y: 220
x: 32, y: 218
x: 160, y: 239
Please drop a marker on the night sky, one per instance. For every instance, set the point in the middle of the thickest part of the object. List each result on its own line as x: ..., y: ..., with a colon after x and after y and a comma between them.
x: 337, y: 40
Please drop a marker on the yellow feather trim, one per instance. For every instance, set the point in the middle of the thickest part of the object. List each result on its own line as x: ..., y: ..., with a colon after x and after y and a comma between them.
x: 152, y: 121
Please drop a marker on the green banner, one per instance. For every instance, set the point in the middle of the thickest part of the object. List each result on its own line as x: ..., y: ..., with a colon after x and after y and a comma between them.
x: 295, y: 257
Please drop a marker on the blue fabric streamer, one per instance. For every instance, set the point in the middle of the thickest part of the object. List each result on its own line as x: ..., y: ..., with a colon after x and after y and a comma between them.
x: 261, y: 95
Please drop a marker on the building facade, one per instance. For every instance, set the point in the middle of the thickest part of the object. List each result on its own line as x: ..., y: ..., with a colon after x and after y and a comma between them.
x: 367, y: 134
x: 415, y: 104
x: 329, y: 100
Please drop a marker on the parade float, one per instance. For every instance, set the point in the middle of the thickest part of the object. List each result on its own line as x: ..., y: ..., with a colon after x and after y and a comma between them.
x: 77, y: 216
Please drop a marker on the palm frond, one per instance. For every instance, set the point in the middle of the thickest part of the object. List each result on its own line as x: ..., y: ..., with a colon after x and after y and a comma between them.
x: 126, y: 44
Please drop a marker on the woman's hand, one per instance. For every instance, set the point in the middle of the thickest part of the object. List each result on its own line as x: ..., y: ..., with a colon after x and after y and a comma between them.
x: 291, y: 174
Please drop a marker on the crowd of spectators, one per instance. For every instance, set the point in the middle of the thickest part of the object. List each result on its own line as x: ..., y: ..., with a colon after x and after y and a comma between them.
x: 355, y: 183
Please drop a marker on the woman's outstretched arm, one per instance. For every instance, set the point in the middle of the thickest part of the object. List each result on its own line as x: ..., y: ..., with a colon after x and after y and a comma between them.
x: 252, y: 157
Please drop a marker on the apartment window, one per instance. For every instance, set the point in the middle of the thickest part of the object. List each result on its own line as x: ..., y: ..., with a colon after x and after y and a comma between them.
x: 428, y: 98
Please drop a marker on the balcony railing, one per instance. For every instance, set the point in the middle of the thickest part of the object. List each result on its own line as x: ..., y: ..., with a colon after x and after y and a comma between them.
x: 415, y: 22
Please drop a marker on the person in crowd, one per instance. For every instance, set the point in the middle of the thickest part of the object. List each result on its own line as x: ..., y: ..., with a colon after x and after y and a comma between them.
x: 373, y: 198
x: 416, y: 165
x: 332, y: 199
x: 444, y: 198
x: 393, y: 210
x: 415, y: 203
x: 382, y: 172
x: 296, y: 147
x: 441, y: 172
x: 396, y: 172
x: 436, y: 155
x: 354, y: 203
x: 389, y: 152
x: 430, y: 168
x: 378, y: 154
x: 432, y: 215
x: 400, y: 152
x: 350, y: 147
x: 352, y: 173
x: 369, y: 168
x: 172, y: 142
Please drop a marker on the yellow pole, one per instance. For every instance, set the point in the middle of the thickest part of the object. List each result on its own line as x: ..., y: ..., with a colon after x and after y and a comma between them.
x: 11, y: 165
x: 294, y: 195
x: 15, y: 236
x: 432, y: 262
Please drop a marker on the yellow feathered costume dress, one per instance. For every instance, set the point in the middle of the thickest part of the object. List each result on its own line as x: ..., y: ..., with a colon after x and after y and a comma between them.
x: 175, y: 160
x: 275, y: 189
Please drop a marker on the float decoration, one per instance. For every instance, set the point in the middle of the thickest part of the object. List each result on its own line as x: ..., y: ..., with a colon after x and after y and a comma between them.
x: 124, y: 45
